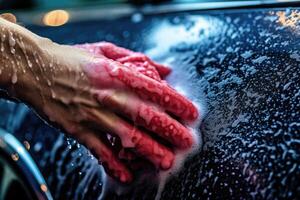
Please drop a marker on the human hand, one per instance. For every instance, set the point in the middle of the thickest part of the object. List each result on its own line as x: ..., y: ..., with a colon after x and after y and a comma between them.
x: 144, y: 108
x: 99, y: 92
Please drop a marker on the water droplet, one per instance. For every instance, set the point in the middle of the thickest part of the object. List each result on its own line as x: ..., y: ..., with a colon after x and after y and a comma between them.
x: 247, y: 54
x: 26, y: 144
x: 115, y: 71
x: 3, y: 37
x: 2, y: 47
x: 12, y: 43
x: 12, y: 50
x: 53, y: 94
x: 14, y: 78
x: 137, y: 17
x: 37, y: 147
x: 167, y: 98
x: 15, y: 156
x: 29, y: 63
x: 48, y: 82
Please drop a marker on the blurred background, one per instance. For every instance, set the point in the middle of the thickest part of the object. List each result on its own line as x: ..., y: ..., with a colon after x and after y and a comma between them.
x: 46, y: 4
x: 59, y: 12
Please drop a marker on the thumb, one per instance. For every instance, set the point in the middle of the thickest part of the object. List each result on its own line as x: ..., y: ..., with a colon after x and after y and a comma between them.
x: 9, y: 17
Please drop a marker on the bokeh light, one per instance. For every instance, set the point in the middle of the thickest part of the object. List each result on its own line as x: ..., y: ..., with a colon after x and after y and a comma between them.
x: 56, y: 18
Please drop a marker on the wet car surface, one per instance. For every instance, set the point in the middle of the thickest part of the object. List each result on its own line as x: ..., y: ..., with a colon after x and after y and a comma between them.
x: 242, y: 65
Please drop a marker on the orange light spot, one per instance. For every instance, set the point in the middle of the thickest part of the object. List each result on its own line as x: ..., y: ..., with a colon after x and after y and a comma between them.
x: 290, y: 20
x: 56, y: 18
x: 44, y: 188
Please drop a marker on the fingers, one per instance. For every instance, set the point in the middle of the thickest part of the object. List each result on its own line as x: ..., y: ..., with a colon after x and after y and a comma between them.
x: 157, y: 92
x: 162, y: 70
x: 106, y: 49
x: 148, y: 116
x: 141, y: 143
x: 113, y: 52
x: 145, y: 69
x: 145, y: 146
x: 109, y: 160
x: 9, y: 17
x: 91, y: 139
x: 139, y: 57
x: 126, y: 56
x: 144, y: 64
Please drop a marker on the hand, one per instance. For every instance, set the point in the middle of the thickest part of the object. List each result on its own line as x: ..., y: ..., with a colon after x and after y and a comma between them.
x: 135, y: 61
x: 130, y: 93
x: 104, y: 91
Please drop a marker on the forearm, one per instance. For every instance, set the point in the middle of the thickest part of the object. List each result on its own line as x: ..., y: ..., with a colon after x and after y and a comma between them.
x: 15, y: 53
x: 27, y: 45
x: 8, y: 64
x: 27, y: 59
x: 35, y: 69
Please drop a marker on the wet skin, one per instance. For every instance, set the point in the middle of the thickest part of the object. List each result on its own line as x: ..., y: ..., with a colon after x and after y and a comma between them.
x: 95, y: 91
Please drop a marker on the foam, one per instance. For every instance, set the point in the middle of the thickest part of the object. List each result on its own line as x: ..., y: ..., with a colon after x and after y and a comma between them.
x: 184, y: 83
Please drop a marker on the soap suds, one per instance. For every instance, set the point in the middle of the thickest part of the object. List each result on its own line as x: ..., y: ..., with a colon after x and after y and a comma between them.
x: 186, y: 84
